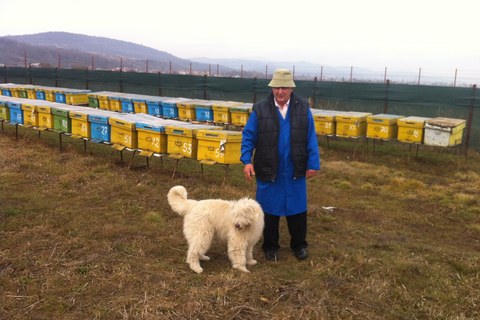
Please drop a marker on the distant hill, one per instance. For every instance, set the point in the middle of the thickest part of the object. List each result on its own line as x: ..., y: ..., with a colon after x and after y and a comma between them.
x: 76, y: 51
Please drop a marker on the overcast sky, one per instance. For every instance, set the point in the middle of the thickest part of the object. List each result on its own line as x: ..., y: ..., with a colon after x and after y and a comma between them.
x: 407, y: 34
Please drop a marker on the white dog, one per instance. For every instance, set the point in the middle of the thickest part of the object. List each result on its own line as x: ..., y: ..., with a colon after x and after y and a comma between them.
x: 240, y: 223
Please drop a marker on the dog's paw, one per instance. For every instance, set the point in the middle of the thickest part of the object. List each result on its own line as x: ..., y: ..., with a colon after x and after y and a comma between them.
x: 252, y: 262
x: 197, y: 269
x: 204, y: 257
x: 241, y: 268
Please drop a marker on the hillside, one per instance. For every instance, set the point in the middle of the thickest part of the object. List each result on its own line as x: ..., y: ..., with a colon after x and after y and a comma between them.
x: 76, y: 51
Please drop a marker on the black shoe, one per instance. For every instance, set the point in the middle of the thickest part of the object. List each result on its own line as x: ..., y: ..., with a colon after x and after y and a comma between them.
x: 271, y: 255
x: 301, y: 254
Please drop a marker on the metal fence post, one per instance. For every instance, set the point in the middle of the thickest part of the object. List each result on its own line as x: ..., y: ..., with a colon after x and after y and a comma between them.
x: 385, y: 106
x: 470, y: 119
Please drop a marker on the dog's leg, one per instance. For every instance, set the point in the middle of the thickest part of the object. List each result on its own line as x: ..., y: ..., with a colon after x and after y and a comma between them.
x: 237, y: 255
x: 193, y: 260
x: 250, y: 260
x: 198, y: 245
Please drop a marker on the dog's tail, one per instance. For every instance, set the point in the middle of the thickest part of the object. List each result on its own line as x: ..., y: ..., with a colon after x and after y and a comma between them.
x: 177, y: 199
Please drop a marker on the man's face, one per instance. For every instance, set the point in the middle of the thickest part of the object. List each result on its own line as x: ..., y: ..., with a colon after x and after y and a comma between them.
x: 282, y: 94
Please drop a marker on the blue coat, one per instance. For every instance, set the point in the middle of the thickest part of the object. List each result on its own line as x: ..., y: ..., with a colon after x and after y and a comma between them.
x: 285, y: 196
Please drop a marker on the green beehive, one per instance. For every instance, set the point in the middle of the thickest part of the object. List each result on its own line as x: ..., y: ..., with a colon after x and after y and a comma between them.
x: 61, y: 121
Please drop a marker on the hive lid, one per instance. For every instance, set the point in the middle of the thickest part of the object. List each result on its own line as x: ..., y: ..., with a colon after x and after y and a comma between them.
x: 445, y: 122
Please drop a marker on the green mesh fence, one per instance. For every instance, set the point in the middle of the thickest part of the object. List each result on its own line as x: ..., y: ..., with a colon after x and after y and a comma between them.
x: 407, y: 100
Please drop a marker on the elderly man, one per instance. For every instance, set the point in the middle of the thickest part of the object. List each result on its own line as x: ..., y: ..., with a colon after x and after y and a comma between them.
x: 281, y: 130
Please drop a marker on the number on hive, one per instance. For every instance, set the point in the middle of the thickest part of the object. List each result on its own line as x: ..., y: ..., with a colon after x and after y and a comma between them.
x: 218, y: 153
x: 187, y: 148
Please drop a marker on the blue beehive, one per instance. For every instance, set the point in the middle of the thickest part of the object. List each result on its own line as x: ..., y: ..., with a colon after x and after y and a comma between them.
x: 16, y: 113
x: 60, y: 96
x: 127, y: 103
x: 100, y: 128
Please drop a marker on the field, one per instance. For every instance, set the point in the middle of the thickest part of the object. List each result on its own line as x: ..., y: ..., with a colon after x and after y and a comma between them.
x: 84, y: 237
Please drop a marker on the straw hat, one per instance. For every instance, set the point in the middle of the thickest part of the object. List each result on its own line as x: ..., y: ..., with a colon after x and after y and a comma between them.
x: 282, y: 78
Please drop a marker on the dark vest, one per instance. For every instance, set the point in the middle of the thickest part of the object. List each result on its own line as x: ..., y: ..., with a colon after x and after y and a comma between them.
x: 265, y: 160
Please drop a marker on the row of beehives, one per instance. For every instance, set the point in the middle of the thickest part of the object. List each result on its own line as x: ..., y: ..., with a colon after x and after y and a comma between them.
x: 439, y: 131
x: 228, y: 112
x: 149, y: 134
x: 430, y: 131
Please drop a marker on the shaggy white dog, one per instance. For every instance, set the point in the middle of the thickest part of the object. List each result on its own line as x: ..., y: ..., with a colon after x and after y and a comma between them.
x: 240, y: 223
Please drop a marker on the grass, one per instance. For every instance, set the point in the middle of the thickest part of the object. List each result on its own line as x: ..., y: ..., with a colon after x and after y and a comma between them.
x: 84, y: 237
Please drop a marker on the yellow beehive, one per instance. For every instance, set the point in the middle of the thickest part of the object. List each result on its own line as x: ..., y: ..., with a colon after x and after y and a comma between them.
x: 219, y: 146
x: 81, y: 127
x: 76, y: 96
x: 45, y: 117
x: 182, y: 139
x: 411, y: 129
x: 30, y: 115
x: 151, y: 135
x: 351, y: 124
x: 324, y: 121
x: 49, y: 94
x: 115, y: 103
x: 444, y: 132
x: 123, y: 131
x: 383, y: 126
x: 240, y: 114
x: 221, y: 111
x: 31, y: 93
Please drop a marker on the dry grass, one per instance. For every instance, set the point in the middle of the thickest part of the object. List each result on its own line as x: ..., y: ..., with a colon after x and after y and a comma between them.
x: 83, y: 237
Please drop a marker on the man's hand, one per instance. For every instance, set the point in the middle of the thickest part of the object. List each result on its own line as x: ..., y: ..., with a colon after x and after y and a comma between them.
x: 248, y: 171
x: 311, y: 173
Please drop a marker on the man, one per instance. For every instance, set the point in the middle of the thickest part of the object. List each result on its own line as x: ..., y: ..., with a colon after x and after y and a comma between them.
x: 281, y: 130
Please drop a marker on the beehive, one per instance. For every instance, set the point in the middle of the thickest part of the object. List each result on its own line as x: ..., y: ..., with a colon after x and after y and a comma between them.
x: 182, y: 139
x: 99, y: 125
x: 16, y: 112
x: 444, y: 132
x: 40, y: 93
x: 324, y: 121
x: 351, y: 124
x: 45, y: 117
x: 240, y: 114
x: 49, y: 94
x: 4, y: 110
x: 81, y: 127
x: 114, y: 102
x: 383, y: 126
x: 77, y: 96
x: 221, y: 111
x: 219, y: 146
x: 411, y: 129
x: 22, y: 92
x: 30, y: 115
x: 127, y: 103
x: 61, y: 120
x: 31, y: 92
x: 152, y: 136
